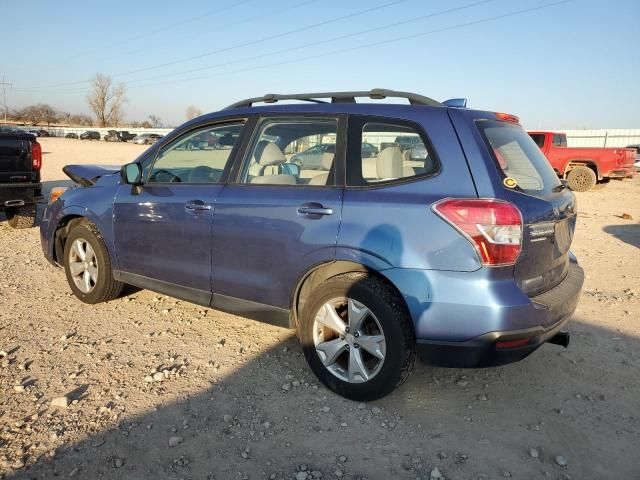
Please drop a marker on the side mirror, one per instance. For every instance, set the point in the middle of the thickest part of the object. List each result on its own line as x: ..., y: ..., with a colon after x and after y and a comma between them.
x: 131, y: 174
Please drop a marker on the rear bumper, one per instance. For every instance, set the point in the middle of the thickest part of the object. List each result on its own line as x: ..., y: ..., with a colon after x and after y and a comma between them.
x: 15, y: 194
x: 493, y: 348
x: 622, y: 172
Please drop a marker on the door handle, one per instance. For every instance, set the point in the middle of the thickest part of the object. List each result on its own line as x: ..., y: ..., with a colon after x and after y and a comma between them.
x: 314, y: 210
x: 197, y: 205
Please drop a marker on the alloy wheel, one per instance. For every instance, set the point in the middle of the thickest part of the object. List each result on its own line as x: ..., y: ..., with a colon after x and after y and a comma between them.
x: 83, y: 265
x: 349, y: 340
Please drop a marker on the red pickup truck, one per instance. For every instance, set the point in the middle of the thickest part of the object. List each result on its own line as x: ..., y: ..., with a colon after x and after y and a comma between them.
x: 584, y: 167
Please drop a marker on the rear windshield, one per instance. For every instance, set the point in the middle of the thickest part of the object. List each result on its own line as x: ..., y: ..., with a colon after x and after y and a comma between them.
x: 519, y: 158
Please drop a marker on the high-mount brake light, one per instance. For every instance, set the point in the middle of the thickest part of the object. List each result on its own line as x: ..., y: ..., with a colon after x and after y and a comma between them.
x: 507, y: 117
x: 36, y: 155
x: 494, y: 227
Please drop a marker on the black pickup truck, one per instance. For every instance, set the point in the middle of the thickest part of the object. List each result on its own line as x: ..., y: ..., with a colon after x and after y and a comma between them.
x: 20, y: 187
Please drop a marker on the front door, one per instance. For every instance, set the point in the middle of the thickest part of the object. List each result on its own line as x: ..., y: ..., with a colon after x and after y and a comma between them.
x: 280, y: 217
x: 163, y: 229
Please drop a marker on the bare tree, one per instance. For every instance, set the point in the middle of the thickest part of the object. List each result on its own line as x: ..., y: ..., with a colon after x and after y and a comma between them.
x: 146, y: 124
x: 156, y: 122
x: 106, y: 99
x: 48, y: 114
x: 84, y: 120
x: 30, y: 114
x: 192, y: 112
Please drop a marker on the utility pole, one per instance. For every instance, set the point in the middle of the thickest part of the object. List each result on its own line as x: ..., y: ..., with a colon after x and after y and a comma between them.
x: 4, y: 97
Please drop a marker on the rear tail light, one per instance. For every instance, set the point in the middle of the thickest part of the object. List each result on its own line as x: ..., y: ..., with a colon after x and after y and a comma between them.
x: 36, y: 155
x: 494, y: 227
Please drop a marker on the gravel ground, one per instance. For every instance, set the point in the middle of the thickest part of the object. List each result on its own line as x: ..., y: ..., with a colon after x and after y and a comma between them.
x: 150, y: 387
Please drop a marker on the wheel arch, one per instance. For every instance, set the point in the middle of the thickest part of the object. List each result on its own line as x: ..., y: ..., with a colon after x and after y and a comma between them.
x: 63, y: 228
x: 324, y: 271
x: 582, y: 162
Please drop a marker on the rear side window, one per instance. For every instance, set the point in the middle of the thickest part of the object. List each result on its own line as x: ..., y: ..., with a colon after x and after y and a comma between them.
x: 559, y: 140
x: 389, y: 151
x: 519, y: 158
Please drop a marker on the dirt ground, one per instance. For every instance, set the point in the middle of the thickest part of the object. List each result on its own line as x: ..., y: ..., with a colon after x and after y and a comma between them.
x: 237, y: 401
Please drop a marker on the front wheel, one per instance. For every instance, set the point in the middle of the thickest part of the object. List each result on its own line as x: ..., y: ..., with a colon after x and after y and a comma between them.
x: 88, y: 267
x: 357, y: 337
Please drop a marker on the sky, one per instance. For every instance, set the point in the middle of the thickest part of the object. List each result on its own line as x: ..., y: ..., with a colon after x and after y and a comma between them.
x: 556, y: 64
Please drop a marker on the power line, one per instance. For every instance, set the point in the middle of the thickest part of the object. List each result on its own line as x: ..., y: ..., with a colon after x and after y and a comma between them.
x: 367, y: 45
x: 358, y: 47
x: 313, y: 44
x: 241, y: 45
x: 152, y: 32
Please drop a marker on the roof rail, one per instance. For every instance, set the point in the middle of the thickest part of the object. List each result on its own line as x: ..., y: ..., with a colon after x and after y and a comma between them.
x: 339, y: 97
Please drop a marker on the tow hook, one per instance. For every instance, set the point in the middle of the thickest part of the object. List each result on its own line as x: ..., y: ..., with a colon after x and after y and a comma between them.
x: 560, y: 338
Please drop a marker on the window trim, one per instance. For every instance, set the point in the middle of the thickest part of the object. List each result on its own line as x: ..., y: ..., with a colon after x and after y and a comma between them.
x: 354, y: 149
x: 231, y: 160
x: 252, y: 140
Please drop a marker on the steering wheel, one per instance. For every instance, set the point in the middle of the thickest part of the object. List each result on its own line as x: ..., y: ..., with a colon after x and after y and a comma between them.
x: 170, y: 177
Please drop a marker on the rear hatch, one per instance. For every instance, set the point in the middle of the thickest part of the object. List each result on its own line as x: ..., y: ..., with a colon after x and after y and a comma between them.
x: 15, y: 157
x: 547, y: 206
x: 513, y: 168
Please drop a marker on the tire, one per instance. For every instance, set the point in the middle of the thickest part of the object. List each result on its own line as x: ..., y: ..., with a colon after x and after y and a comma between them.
x: 22, y: 217
x: 102, y: 287
x: 387, y: 317
x: 581, y: 179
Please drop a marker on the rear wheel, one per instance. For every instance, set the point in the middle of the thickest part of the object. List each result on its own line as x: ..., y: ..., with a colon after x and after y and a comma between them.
x: 22, y: 217
x: 581, y: 179
x: 88, y: 267
x: 357, y: 337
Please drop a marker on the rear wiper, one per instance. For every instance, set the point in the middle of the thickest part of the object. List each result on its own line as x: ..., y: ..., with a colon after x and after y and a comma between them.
x: 559, y: 188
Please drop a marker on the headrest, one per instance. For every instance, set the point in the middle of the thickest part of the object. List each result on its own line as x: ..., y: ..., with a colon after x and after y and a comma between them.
x: 271, y: 155
x: 327, y: 160
x: 389, y: 163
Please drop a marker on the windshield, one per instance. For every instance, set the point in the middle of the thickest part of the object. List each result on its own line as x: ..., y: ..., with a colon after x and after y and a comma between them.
x: 519, y: 158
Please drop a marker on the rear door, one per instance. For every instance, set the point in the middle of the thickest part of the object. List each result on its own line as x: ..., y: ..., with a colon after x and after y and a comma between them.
x: 277, y: 220
x: 513, y: 168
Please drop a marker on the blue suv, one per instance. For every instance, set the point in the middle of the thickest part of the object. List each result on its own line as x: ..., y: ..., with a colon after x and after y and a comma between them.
x: 453, y: 246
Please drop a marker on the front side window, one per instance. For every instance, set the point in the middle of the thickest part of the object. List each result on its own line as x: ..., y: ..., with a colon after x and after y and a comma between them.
x: 198, y: 157
x: 538, y: 138
x: 518, y: 157
x: 293, y: 152
x: 390, y: 151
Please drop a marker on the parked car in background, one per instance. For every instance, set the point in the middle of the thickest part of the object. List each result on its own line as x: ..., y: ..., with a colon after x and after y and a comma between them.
x: 406, y: 142
x: 71, y: 135
x: 43, y: 133
x: 146, y: 138
x: 369, y: 150
x: 636, y: 147
x: 20, y: 187
x: 463, y: 257
x: 112, y: 136
x: 125, y: 136
x: 584, y: 167
x: 311, y: 158
x: 90, y: 135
